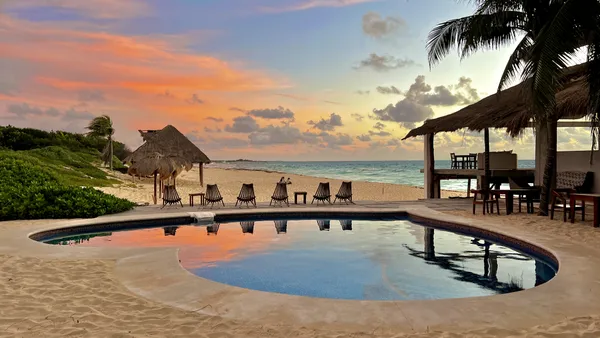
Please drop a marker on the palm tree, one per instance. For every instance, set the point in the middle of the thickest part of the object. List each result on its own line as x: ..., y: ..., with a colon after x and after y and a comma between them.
x: 102, y: 126
x: 547, y: 34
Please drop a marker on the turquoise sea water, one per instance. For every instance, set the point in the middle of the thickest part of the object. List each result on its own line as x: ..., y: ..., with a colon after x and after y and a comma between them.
x: 397, y: 172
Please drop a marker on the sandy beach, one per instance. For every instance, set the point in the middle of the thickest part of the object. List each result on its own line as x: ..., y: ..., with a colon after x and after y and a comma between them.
x: 83, y: 298
x: 230, y: 182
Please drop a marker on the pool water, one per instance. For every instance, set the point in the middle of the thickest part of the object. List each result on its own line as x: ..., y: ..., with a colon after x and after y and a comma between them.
x: 342, y: 259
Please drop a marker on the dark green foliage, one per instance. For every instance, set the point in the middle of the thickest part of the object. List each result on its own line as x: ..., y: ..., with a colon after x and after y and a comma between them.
x: 30, y: 189
x: 26, y: 139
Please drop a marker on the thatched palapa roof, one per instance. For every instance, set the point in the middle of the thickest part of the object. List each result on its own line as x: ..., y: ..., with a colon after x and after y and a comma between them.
x: 511, y: 108
x: 168, y: 142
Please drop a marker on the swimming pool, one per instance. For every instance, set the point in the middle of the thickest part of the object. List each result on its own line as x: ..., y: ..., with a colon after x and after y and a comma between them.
x: 393, y: 259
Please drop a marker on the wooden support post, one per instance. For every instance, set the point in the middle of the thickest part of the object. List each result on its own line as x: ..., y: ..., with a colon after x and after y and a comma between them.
x: 201, y: 173
x: 469, y: 188
x: 154, y: 198
x: 430, y: 180
x: 486, y: 154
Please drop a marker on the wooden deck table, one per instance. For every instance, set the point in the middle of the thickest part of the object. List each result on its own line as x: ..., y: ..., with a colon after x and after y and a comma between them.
x: 510, y: 194
x: 594, y: 198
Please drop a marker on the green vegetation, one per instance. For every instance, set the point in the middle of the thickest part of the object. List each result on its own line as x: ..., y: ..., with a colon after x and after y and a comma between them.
x: 52, y: 175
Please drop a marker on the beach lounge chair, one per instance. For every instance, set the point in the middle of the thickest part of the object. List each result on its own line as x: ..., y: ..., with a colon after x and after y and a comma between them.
x: 212, y: 229
x: 345, y: 193
x: 324, y: 225
x: 246, y: 195
x: 281, y: 227
x: 170, y: 196
x: 213, y: 195
x: 247, y: 227
x: 280, y: 194
x: 170, y: 231
x: 323, y: 194
x: 346, y: 224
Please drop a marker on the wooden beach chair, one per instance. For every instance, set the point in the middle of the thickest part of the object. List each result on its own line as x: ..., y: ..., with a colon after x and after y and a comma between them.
x: 246, y: 195
x: 324, y: 225
x: 323, y: 194
x: 170, y: 196
x: 170, y: 231
x: 213, y: 195
x: 488, y: 198
x: 281, y: 227
x: 561, y: 200
x: 247, y: 227
x: 212, y: 229
x: 345, y: 193
x: 280, y: 194
x: 346, y: 224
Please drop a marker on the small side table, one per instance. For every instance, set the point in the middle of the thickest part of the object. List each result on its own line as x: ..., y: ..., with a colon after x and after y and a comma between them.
x: 299, y: 193
x: 202, y: 201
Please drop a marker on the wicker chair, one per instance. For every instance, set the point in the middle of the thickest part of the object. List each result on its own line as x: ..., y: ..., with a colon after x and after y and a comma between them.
x: 323, y: 194
x: 280, y: 194
x: 247, y: 227
x: 346, y: 225
x: 281, y: 227
x: 345, y: 193
x: 213, y: 195
x: 324, y: 225
x: 170, y: 196
x: 212, y: 229
x: 246, y: 195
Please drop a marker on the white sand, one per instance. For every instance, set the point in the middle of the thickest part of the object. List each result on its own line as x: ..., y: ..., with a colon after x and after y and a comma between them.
x: 230, y: 181
x: 83, y: 298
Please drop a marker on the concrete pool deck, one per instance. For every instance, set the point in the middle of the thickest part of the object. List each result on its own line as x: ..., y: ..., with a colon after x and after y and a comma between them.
x: 156, y: 275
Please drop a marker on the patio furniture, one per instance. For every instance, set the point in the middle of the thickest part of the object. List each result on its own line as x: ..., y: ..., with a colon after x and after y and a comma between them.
x: 579, y: 181
x: 323, y: 194
x: 247, y: 227
x: 246, y: 195
x: 280, y: 194
x: 281, y: 226
x: 488, y: 198
x: 345, y: 193
x: 561, y: 200
x: 300, y: 193
x: 212, y: 229
x: 346, y: 224
x: 594, y: 198
x: 517, y: 183
x: 213, y: 195
x: 200, y: 194
x: 324, y: 225
x: 527, y: 194
x: 453, y: 164
x: 170, y: 196
x: 170, y: 231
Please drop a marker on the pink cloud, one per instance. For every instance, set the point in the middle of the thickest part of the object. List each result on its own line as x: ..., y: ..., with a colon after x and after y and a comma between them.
x: 309, y: 4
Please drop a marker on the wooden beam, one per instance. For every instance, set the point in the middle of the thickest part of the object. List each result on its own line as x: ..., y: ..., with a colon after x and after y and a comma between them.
x: 154, y: 198
x: 430, y: 188
x: 201, y: 174
x: 568, y: 124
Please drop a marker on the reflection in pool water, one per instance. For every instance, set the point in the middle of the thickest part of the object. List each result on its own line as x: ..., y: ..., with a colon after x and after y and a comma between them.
x: 376, y: 260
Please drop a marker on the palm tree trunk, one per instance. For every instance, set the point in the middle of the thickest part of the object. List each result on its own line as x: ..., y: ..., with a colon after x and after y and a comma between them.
x: 110, y: 144
x: 550, y: 168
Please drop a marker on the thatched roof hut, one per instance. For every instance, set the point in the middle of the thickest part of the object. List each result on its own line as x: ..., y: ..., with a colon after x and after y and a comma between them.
x: 510, y: 108
x: 169, y: 142
x: 165, y: 152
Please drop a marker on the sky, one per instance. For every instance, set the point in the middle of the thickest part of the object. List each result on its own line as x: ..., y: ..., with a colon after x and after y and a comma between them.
x: 253, y: 79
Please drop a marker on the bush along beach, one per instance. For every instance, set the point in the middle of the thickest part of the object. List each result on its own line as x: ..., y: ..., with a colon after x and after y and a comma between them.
x: 55, y: 181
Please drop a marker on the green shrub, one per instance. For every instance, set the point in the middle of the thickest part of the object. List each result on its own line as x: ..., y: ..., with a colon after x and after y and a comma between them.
x: 32, y: 189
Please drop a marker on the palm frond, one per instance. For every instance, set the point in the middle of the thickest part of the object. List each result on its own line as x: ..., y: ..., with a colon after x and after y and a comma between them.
x: 515, y: 62
x: 100, y: 126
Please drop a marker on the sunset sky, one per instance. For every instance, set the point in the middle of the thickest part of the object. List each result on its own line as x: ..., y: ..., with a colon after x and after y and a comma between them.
x: 255, y: 79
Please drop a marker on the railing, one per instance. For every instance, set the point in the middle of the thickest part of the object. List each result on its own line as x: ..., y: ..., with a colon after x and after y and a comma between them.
x: 464, y: 161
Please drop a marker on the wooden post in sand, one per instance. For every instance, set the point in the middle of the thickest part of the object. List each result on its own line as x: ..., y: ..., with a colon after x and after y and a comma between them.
x: 154, y: 188
x: 430, y: 186
x: 201, y: 174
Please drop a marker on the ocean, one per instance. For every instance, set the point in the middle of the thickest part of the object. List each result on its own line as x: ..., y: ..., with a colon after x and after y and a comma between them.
x: 396, y: 172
